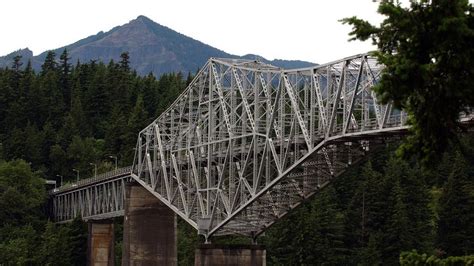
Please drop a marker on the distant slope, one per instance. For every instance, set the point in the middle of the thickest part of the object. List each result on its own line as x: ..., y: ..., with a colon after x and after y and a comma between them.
x: 151, y: 46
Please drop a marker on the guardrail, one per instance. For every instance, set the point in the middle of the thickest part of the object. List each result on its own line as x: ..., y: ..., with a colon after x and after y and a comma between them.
x: 88, y: 181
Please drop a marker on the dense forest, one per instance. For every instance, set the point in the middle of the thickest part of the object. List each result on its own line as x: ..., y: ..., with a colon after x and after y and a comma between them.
x: 71, y: 115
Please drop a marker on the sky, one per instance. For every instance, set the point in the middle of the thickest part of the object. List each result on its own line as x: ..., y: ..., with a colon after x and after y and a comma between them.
x: 280, y: 29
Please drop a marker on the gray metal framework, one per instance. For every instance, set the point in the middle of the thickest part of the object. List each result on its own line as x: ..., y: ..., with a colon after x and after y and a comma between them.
x: 95, y: 198
x: 247, y: 142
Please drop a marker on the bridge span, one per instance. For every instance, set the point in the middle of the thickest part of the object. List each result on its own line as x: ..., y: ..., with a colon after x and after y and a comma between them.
x: 246, y: 143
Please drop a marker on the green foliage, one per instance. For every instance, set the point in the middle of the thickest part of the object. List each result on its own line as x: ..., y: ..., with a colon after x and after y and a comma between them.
x: 366, y: 216
x: 85, y: 109
x: 22, y: 194
x: 18, y: 245
x: 456, y: 210
x: 55, y: 245
x: 427, y: 52
x: 62, y: 118
x: 77, y: 242
x: 414, y: 258
x: 187, y: 242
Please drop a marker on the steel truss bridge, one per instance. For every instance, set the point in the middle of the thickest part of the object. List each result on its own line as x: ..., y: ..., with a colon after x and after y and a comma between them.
x: 247, y: 142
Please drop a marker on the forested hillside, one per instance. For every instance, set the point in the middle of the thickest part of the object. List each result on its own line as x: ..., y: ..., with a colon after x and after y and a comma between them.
x: 68, y: 116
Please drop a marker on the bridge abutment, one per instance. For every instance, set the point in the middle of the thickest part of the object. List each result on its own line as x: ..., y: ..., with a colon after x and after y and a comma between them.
x: 230, y: 255
x: 149, y: 233
x: 100, y: 243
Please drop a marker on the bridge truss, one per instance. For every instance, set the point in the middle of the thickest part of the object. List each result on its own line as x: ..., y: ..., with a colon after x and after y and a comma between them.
x: 101, y: 197
x: 247, y: 142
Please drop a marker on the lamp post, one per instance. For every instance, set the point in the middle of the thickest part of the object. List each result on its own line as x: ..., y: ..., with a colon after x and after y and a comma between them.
x: 95, y: 168
x: 115, y: 158
x: 60, y: 176
x: 77, y: 171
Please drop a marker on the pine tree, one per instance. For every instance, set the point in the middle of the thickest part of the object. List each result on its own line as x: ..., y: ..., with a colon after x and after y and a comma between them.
x: 97, y: 101
x: 413, y: 199
x: 15, y: 108
x: 55, y: 248
x: 367, y: 212
x: 77, y: 240
x: 50, y: 63
x: 371, y: 254
x: 150, y: 94
x: 325, y: 230
x: 115, y: 135
x: 78, y: 117
x: 17, y: 73
x: 125, y: 62
x: 65, y: 77
x: 396, y: 235
x: 425, y: 48
x: 137, y: 121
x: 456, y: 214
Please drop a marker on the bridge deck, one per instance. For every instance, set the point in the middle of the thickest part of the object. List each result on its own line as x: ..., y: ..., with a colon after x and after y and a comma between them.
x: 247, y: 142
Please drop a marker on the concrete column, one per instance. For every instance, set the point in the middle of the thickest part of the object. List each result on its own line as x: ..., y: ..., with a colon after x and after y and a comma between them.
x: 149, y: 230
x: 230, y: 255
x: 101, y: 243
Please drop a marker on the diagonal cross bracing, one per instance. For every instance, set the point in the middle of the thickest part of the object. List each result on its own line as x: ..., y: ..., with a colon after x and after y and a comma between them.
x: 247, y: 142
x: 258, y: 140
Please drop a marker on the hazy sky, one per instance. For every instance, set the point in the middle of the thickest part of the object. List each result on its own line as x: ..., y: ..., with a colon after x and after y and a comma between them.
x: 284, y: 29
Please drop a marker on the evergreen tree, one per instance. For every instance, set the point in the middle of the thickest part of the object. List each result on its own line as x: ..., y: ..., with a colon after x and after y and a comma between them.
x: 425, y: 49
x: 27, y: 85
x: 456, y: 214
x: 371, y: 255
x: 125, y: 62
x: 137, y: 121
x: 97, y: 101
x: 16, y: 115
x: 115, y: 136
x: 326, y: 231
x: 50, y: 63
x: 78, y: 117
x: 33, y: 144
x: 22, y: 193
x: 77, y: 240
x: 55, y: 248
x: 18, y: 245
x: 410, y: 196
x: 150, y: 94
x: 65, y: 77
x: 17, y: 73
x: 397, y: 237
x: 59, y: 163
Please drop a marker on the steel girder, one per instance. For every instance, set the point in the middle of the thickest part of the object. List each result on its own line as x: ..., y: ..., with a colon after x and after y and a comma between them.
x: 247, y: 142
x: 96, y: 198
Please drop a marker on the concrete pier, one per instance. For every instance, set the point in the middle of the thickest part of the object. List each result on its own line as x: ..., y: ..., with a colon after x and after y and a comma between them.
x: 149, y: 233
x: 230, y: 255
x: 101, y: 243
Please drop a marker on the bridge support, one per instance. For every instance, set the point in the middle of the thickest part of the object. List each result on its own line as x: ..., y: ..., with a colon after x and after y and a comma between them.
x: 149, y: 233
x: 246, y: 255
x: 101, y: 243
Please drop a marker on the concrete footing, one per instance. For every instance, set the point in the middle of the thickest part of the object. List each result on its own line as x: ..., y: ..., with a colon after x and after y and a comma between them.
x: 220, y: 255
x: 149, y: 233
x: 101, y: 243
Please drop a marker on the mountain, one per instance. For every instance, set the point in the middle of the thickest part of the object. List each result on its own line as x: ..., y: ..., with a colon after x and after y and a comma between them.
x: 151, y: 46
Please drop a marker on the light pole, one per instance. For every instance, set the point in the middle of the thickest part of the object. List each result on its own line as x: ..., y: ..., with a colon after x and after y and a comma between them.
x: 115, y: 158
x: 77, y: 171
x: 95, y: 168
x: 61, y: 179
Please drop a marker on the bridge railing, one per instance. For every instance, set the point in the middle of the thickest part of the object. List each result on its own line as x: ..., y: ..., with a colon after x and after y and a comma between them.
x: 92, y: 180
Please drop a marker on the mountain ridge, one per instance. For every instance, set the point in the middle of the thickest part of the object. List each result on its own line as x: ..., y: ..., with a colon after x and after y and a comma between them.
x: 152, y: 48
